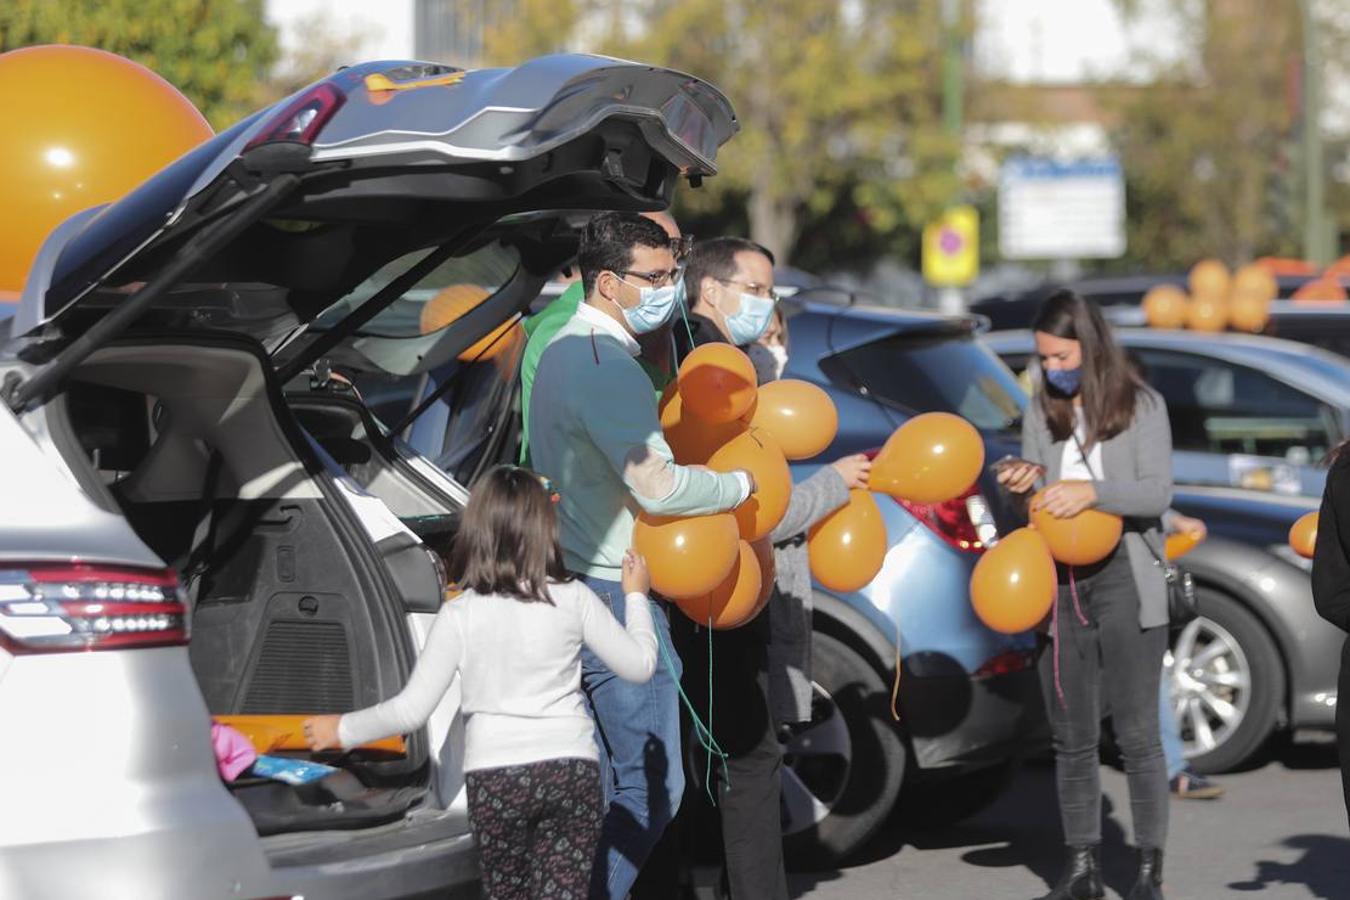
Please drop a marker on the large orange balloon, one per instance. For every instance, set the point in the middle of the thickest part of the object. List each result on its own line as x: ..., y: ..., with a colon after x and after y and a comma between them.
x: 1165, y: 306
x: 1303, y: 535
x: 733, y: 602
x: 757, y: 453
x: 692, y: 439
x: 1178, y: 545
x: 1081, y: 540
x: 1207, y: 312
x: 847, y: 547
x: 687, y: 556
x: 800, y: 416
x: 1014, y: 583
x: 452, y: 302
x: 717, y: 383
x: 1249, y: 312
x: 1256, y: 281
x: 1209, y: 278
x: 932, y: 458
x: 1321, y: 290
x: 83, y: 127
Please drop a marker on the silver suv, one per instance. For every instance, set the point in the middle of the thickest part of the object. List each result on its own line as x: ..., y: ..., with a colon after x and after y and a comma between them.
x: 158, y: 484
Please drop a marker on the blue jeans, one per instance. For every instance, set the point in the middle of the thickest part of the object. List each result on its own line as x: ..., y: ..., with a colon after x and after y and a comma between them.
x: 637, y: 727
x: 1173, y: 749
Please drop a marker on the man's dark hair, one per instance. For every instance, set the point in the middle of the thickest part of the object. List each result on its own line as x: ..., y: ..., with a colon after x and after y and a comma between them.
x: 716, y: 258
x: 607, y: 244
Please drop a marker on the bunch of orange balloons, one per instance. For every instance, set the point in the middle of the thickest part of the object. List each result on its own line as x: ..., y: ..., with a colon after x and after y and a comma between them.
x: 84, y: 127
x: 1218, y: 299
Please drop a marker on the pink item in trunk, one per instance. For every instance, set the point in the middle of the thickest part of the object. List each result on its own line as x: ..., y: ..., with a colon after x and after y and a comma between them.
x: 234, y: 753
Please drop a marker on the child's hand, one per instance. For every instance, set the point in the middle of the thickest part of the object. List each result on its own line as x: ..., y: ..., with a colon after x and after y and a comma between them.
x: 321, y: 733
x: 636, y: 578
x: 855, y: 470
x: 1192, y: 528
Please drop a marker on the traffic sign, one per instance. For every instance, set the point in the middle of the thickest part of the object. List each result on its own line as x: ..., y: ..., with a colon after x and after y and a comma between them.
x: 951, y: 248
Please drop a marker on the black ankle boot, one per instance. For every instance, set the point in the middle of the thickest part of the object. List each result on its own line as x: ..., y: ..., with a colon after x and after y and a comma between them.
x: 1082, y: 878
x: 1148, y: 885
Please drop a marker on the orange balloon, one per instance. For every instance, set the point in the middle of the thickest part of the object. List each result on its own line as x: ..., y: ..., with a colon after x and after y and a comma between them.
x: 757, y: 453
x: 1324, y: 289
x: 1207, y: 312
x: 688, y: 556
x: 768, y: 569
x: 733, y: 602
x: 800, y: 416
x: 1014, y: 584
x: 1081, y: 540
x: 692, y: 439
x: 452, y: 302
x: 1165, y: 306
x: 1209, y: 278
x: 1257, y: 281
x: 1303, y: 535
x: 1249, y: 312
x: 1178, y: 545
x: 847, y: 547
x: 932, y: 458
x: 717, y: 383
x: 85, y: 127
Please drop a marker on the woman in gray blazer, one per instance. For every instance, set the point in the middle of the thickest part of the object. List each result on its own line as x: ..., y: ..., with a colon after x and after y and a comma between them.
x: 1099, y: 438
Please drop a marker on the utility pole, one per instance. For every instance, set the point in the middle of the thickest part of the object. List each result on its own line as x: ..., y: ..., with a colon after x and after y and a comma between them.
x: 1316, y: 236
x: 950, y: 299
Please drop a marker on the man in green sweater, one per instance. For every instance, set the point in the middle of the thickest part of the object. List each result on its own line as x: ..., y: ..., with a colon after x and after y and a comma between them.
x: 596, y: 434
x: 657, y: 358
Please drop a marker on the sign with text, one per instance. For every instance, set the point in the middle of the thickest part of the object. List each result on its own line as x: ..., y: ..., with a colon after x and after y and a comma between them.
x: 1061, y: 210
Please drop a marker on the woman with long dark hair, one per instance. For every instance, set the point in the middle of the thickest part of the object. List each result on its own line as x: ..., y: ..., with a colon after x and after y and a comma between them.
x: 1099, y: 438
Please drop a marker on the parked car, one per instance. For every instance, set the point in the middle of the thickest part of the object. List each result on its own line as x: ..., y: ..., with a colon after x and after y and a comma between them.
x: 145, y: 431
x: 1246, y: 410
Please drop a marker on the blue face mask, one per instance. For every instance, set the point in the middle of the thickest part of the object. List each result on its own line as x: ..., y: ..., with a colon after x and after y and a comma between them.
x: 750, y: 321
x: 654, y: 308
x: 1066, y: 381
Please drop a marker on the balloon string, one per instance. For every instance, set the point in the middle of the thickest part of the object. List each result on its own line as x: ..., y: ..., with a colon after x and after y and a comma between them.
x: 1073, y: 589
x: 701, y: 731
x: 687, y: 329
x: 1054, y: 640
x: 895, y: 685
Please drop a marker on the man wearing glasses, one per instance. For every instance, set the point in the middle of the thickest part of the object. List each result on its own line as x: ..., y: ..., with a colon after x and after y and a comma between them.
x: 596, y: 434
x: 729, y: 285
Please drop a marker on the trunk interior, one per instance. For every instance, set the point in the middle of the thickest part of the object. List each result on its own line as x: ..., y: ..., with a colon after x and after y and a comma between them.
x: 293, y: 611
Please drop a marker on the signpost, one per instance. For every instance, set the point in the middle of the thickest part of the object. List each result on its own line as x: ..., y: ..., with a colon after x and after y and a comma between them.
x: 1061, y: 210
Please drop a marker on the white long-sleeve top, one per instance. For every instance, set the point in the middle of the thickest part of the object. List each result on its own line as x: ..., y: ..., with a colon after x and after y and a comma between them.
x: 520, y: 669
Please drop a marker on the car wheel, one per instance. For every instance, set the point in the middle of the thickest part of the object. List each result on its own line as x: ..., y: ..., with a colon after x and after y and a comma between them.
x: 945, y: 801
x: 1227, y: 684
x: 841, y: 771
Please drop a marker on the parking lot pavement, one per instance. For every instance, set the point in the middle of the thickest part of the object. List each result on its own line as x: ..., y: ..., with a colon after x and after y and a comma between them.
x: 1279, y: 834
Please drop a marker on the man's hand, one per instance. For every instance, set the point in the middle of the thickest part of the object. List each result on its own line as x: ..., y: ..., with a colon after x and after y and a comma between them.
x: 856, y: 470
x: 1066, y: 499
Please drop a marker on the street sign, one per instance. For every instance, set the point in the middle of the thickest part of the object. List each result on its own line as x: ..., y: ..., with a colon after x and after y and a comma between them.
x: 1057, y: 210
x: 951, y: 248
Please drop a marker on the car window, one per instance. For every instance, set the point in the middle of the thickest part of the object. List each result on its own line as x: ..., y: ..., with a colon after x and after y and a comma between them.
x: 935, y: 374
x: 448, y: 291
x: 1220, y: 407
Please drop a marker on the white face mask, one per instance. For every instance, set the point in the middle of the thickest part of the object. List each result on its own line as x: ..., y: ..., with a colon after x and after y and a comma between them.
x: 769, y: 361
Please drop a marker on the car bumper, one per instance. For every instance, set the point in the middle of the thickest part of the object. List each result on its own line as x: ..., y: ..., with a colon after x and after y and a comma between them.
x: 969, y: 722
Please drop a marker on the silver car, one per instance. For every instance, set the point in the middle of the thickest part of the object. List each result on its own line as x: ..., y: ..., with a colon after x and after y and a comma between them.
x: 157, y: 485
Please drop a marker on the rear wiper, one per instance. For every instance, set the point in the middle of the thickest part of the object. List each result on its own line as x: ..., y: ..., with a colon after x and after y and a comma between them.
x: 19, y: 394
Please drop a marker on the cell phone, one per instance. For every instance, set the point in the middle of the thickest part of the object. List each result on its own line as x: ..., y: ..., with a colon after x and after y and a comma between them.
x: 1011, y: 460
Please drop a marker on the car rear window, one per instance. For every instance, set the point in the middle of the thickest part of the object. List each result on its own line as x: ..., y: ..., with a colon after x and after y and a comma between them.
x: 945, y: 373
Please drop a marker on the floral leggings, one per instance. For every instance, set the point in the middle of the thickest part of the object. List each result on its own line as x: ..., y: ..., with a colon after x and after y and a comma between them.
x: 537, y: 827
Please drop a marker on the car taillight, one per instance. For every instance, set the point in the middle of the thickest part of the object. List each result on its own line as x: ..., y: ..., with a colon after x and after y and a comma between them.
x: 62, y: 608
x: 302, y: 119
x: 1007, y: 663
x: 956, y: 521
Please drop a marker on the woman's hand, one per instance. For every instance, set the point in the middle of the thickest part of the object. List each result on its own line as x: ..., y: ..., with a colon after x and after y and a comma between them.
x: 855, y: 470
x: 321, y: 732
x: 1066, y: 499
x: 1019, y: 477
x: 1194, y: 529
x: 636, y: 579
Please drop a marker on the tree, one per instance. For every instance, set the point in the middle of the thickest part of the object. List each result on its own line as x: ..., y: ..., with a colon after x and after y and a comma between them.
x: 217, y: 52
x: 838, y: 101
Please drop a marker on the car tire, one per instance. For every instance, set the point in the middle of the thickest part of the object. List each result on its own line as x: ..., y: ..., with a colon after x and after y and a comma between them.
x: 940, y: 802
x: 1228, y: 684
x: 841, y: 772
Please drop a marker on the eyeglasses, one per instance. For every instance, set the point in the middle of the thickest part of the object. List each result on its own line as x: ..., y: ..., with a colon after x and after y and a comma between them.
x: 659, y: 278
x: 681, y: 246
x: 759, y: 290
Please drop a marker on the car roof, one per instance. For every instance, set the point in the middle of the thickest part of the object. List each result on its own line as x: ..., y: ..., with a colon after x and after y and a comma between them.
x: 1315, y: 371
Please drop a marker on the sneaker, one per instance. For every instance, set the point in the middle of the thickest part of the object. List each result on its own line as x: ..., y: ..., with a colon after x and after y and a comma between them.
x: 1191, y: 786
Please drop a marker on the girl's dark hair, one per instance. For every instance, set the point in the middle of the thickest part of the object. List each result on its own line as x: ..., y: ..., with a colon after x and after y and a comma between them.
x: 1110, y: 385
x: 508, y: 538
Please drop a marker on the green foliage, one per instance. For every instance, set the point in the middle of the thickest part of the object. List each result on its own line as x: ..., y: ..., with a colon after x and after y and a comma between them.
x: 217, y: 52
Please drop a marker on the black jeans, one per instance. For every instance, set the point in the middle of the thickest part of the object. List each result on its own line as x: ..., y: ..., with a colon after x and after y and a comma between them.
x: 1110, y: 654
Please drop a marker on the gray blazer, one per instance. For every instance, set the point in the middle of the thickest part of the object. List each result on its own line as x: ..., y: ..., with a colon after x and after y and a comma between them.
x: 1136, y: 483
